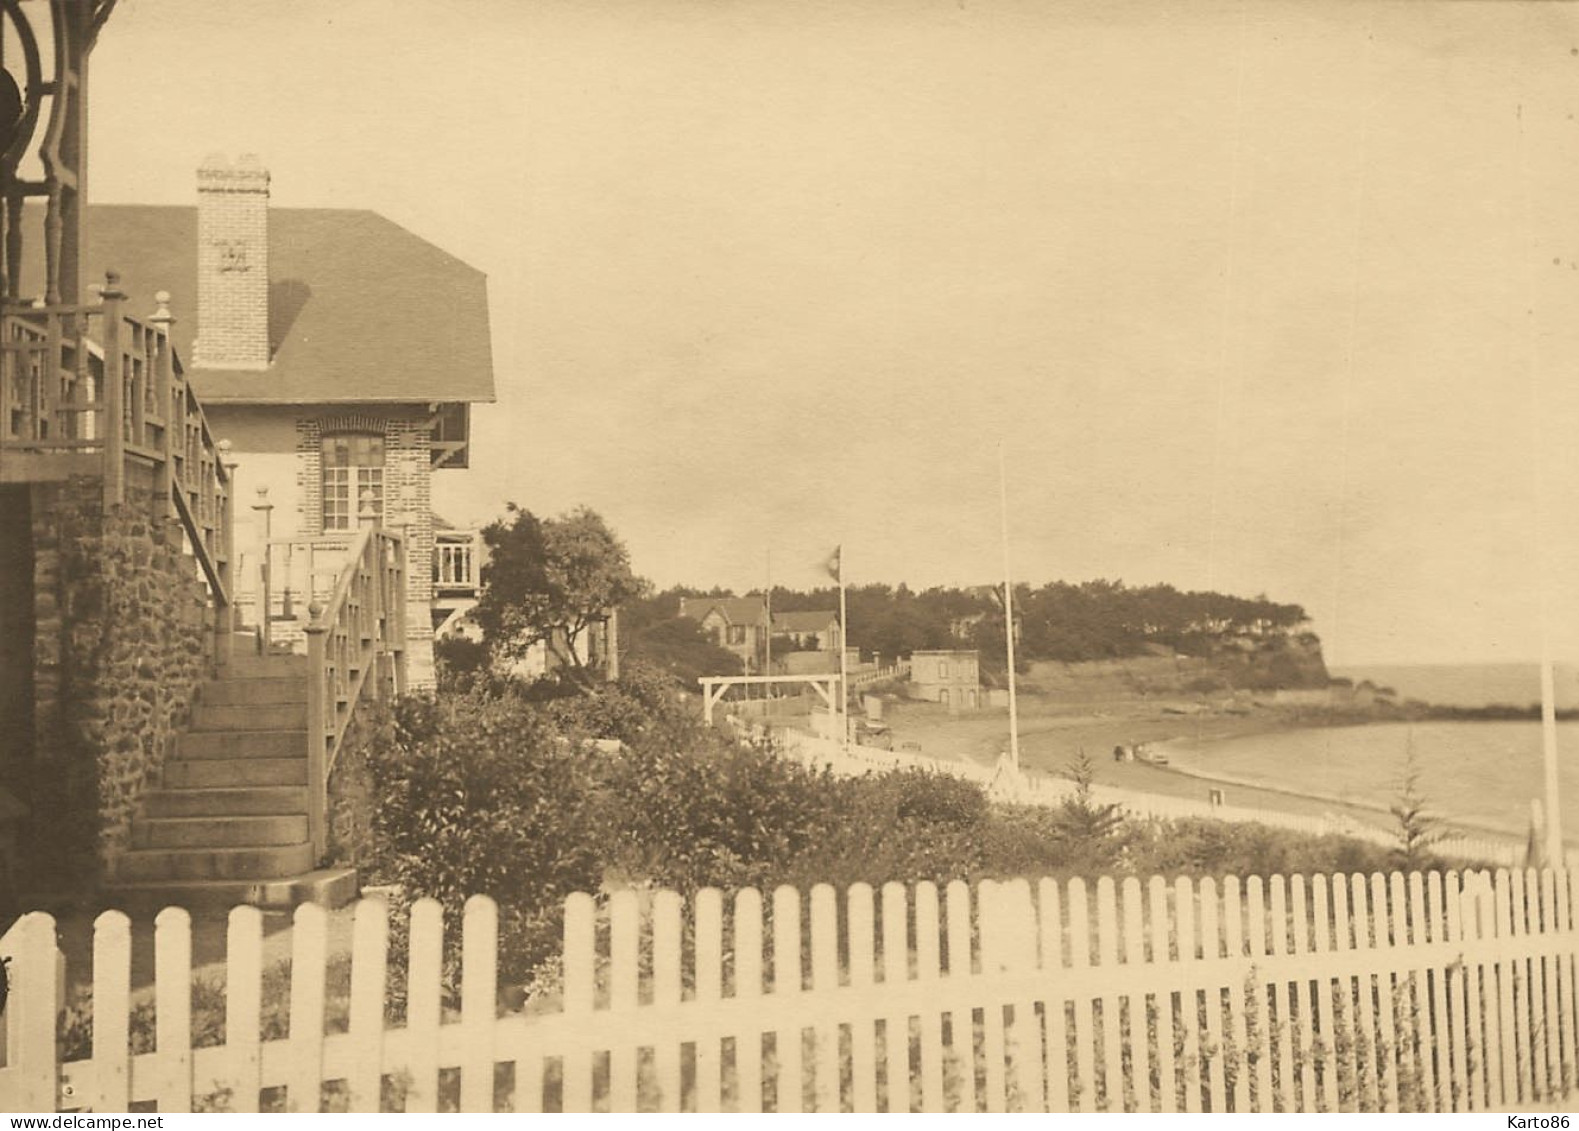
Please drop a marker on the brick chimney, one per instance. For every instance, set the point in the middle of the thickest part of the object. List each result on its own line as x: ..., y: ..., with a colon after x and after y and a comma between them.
x: 232, y: 264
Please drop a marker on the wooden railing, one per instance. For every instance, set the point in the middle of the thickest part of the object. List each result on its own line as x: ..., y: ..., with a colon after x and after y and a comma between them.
x: 85, y: 389
x: 355, y: 648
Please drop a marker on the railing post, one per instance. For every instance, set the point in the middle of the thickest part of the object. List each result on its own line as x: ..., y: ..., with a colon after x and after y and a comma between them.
x: 114, y: 394
x: 164, y: 383
x: 318, y: 707
x: 225, y: 541
x: 372, y: 607
x: 263, y: 600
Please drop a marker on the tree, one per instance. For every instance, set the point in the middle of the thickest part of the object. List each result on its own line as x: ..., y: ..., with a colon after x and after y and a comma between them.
x: 681, y: 647
x: 1081, y: 816
x: 547, y: 581
x: 1416, y: 827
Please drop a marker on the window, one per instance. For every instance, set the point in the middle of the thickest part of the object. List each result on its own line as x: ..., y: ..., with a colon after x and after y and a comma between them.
x: 942, y: 669
x: 352, y: 464
x: 737, y: 634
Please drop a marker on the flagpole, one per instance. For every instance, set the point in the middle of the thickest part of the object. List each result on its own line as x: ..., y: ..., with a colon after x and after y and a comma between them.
x: 1008, y: 614
x: 844, y: 675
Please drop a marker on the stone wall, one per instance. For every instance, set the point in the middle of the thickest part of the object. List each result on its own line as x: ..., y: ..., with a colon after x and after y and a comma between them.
x: 122, y: 636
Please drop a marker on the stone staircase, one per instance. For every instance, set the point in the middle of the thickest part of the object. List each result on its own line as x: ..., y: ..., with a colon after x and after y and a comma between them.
x: 228, y: 822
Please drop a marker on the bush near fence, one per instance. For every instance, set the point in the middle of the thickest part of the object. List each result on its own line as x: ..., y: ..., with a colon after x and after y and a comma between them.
x: 1436, y: 992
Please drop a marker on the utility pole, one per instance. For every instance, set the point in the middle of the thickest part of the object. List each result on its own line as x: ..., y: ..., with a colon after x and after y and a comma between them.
x: 1008, y: 613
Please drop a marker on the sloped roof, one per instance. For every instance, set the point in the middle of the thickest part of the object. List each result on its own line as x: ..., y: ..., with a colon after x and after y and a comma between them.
x: 736, y: 610
x: 360, y: 309
x: 803, y: 621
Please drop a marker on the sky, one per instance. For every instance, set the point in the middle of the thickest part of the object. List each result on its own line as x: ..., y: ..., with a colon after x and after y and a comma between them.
x: 1269, y: 297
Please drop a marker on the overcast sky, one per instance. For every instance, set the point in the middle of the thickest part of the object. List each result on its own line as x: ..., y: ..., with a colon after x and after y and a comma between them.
x: 1271, y: 297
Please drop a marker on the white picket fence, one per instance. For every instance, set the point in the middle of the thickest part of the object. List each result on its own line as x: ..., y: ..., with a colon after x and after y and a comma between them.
x: 1478, y: 847
x: 1429, y: 993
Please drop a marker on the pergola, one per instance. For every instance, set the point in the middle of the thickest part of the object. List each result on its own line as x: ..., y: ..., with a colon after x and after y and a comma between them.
x: 714, y: 686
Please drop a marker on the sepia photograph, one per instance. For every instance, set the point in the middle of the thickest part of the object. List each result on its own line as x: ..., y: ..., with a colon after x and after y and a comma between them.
x: 761, y: 556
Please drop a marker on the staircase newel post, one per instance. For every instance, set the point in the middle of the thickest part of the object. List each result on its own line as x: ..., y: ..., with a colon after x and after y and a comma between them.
x: 114, y: 394
x: 263, y: 598
x: 317, y: 733
x: 224, y: 552
x: 372, y: 606
x: 164, y: 396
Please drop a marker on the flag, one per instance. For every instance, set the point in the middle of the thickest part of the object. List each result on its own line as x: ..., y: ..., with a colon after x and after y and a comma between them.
x: 835, y: 564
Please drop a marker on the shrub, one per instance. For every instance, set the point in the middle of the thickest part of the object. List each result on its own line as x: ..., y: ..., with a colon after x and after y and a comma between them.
x: 475, y: 795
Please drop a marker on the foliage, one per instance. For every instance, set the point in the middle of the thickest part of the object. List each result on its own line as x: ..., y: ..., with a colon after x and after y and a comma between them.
x: 1063, y: 621
x: 547, y: 581
x: 477, y: 795
x: 1083, y: 819
x: 680, y: 647
x: 1415, y: 826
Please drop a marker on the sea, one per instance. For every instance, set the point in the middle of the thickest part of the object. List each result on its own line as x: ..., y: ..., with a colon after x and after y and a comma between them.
x: 1469, y: 685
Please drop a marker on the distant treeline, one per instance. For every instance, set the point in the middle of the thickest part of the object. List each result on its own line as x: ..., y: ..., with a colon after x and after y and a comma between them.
x: 1091, y: 620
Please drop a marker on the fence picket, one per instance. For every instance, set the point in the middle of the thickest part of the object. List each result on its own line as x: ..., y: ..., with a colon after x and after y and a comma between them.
x: 624, y: 994
x: 1546, y: 967
x: 1345, y: 1060
x: 1368, y: 1059
x: 1167, y: 1079
x: 479, y: 995
x: 1387, y: 1058
x: 1259, y: 1003
x: 1564, y: 926
x: 580, y: 959
x: 1444, y: 1036
x: 1416, y: 998
x: 748, y: 986
x: 962, y: 1044
x: 1463, y: 1041
x: 667, y: 931
x: 309, y: 956
x: 1189, y: 997
x: 1107, y: 949
x: 1050, y: 929
x: 370, y: 947
x: 991, y: 932
x: 862, y: 922
x: 1211, y: 951
x: 1484, y: 1004
x: 709, y: 992
x: 1326, y: 1040
x: 928, y: 968
x: 173, y: 1008
x: 243, y: 1001
x: 1301, y: 1002
x: 1139, y: 1013
x: 824, y: 988
x: 1278, y: 921
x: 1507, y: 986
x: 1083, y: 1033
x: 896, y: 972
x: 789, y: 1090
x: 424, y: 968
x: 112, y: 987
x: 31, y: 1070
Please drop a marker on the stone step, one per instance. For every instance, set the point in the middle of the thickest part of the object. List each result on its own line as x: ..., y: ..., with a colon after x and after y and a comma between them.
x: 152, y: 865
x: 332, y: 887
x: 254, y: 691
x: 264, y: 716
x: 240, y: 744
x: 199, y: 773
x: 244, y: 664
x: 218, y: 832
x: 257, y: 801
